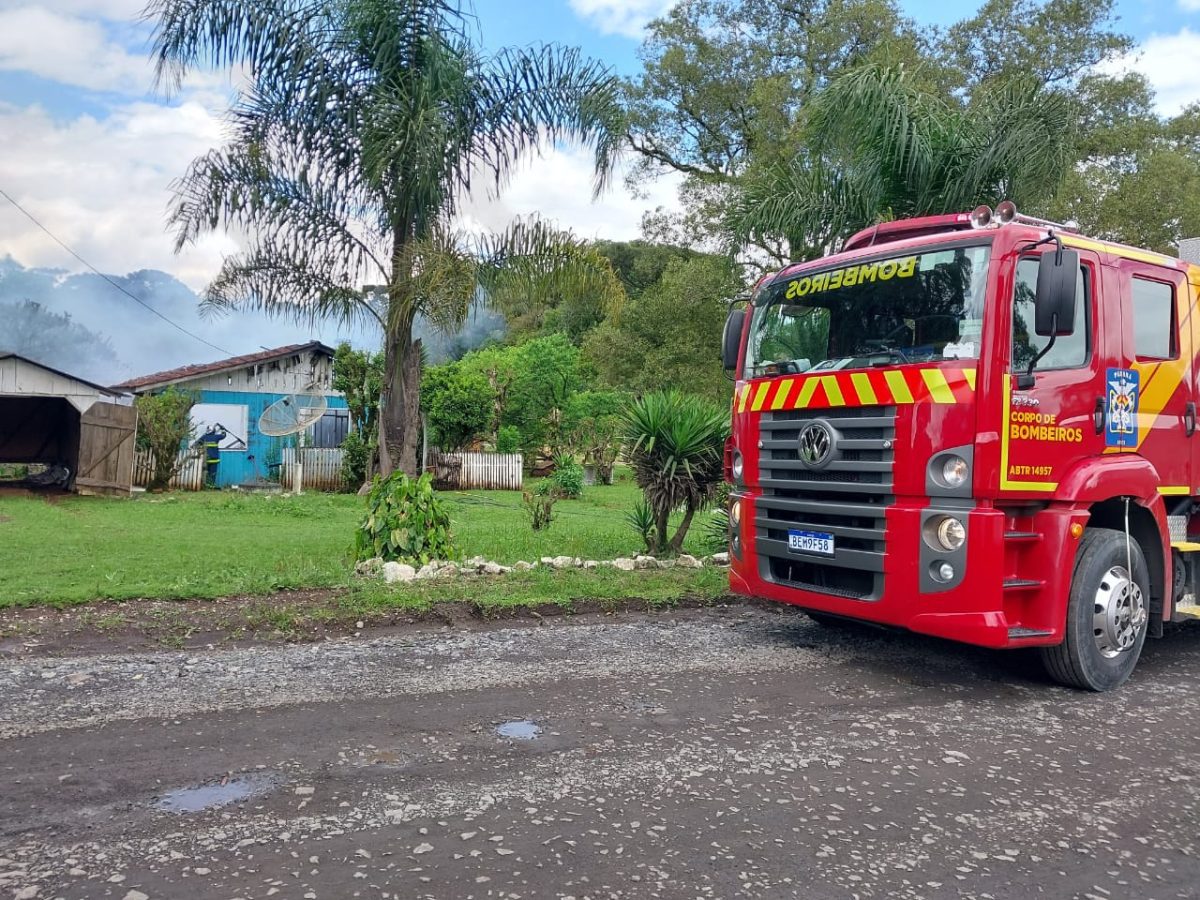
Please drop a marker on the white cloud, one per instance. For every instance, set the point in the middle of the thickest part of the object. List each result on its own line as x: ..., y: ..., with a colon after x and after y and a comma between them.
x: 114, y: 10
x: 69, y: 50
x: 624, y: 17
x: 1189, y: 5
x: 557, y: 186
x: 1169, y: 62
x: 102, y: 187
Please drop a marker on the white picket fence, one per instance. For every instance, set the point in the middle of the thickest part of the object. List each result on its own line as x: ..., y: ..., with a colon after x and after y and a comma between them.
x: 488, y: 471
x: 190, y: 476
x: 320, y: 469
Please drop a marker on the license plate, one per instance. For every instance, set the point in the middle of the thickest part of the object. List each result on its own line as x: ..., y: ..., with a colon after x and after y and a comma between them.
x: 811, y: 542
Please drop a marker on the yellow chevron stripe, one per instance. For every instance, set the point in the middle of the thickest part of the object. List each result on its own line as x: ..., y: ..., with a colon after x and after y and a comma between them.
x: 781, y: 395
x: 761, y: 396
x: 939, y: 388
x: 807, y: 389
x: 899, y: 387
x: 744, y: 392
x: 833, y: 390
x: 1172, y: 490
x: 862, y: 387
x: 969, y: 374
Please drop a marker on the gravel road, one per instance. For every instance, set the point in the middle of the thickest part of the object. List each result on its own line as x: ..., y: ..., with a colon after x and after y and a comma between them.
x: 730, y: 752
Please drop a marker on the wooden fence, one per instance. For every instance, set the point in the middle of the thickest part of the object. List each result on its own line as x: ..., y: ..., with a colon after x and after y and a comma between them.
x: 491, y: 471
x: 320, y: 469
x: 189, y: 478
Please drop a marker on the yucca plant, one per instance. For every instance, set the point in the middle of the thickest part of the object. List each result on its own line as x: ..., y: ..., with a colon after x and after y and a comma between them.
x: 675, y: 442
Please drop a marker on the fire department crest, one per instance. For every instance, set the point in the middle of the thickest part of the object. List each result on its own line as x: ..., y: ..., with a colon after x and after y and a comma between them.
x: 1120, y: 428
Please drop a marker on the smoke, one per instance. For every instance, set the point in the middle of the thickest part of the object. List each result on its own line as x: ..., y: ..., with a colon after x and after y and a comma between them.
x: 142, y: 343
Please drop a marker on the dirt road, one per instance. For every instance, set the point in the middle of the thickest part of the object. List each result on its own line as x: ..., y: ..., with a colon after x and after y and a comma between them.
x: 734, y: 752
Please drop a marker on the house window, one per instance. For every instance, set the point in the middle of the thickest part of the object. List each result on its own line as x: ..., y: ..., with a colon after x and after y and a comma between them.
x: 1154, y: 331
x: 231, y: 417
x: 330, y: 430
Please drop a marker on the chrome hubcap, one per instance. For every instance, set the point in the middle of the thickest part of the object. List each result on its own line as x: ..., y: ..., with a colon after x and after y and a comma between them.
x: 1118, y: 612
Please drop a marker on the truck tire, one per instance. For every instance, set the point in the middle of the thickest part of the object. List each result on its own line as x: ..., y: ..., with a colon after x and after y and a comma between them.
x: 1107, y: 614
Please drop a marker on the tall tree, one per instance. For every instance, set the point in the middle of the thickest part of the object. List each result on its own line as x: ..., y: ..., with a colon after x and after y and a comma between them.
x: 724, y: 85
x: 728, y: 89
x: 881, y: 143
x: 1141, y: 185
x: 364, y: 125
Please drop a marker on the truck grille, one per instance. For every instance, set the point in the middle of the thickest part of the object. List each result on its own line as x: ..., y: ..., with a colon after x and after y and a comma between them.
x: 848, y: 499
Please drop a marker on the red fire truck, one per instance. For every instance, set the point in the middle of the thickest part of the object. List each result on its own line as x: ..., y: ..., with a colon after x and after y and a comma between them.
x: 977, y: 426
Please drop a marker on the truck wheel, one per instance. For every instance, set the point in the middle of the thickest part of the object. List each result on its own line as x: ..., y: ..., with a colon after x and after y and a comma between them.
x: 1107, y: 614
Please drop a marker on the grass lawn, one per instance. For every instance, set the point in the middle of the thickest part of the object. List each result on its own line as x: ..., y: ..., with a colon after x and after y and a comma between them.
x: 221, y: 544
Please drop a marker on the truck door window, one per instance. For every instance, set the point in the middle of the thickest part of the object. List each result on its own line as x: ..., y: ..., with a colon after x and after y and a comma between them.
x: 1069, y: 352
x: 1154, y: 328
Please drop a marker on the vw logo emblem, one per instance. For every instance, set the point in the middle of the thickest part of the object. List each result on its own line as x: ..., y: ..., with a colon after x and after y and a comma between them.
x: 816, y: 445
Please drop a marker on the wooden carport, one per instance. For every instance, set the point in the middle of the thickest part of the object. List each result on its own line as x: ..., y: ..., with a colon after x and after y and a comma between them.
x: 50, y: 417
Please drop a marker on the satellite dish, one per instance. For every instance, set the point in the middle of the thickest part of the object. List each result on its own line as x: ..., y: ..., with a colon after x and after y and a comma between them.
x: 293, y: 413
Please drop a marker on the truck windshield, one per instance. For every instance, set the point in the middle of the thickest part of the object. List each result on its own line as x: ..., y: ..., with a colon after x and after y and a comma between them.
x: 903, y: 309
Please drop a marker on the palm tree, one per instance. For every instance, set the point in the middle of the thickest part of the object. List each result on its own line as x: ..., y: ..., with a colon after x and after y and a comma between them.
x: 675, y: 443
x: 880, y: 142
x: 364, y: 125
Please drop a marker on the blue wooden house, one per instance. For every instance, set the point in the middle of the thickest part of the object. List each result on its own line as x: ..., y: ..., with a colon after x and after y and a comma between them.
x: 234, y: 392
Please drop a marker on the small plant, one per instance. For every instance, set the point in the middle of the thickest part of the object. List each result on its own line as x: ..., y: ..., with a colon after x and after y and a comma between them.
x: 567, y: 480
x: 405, y: 521
x: 539, y: 505
x: 641, y: 520
x: 356, y: 456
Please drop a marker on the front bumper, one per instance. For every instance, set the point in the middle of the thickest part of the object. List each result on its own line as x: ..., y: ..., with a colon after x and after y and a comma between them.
x: 990, y: 605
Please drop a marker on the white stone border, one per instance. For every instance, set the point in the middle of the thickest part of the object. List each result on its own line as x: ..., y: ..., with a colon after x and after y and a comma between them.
x: 393, y: 572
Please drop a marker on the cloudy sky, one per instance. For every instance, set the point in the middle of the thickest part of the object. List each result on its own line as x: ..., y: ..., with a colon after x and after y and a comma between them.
x: 90, y: 148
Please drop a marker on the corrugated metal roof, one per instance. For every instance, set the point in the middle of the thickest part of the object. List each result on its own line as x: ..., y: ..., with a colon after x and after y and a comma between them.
x: 187, y: 373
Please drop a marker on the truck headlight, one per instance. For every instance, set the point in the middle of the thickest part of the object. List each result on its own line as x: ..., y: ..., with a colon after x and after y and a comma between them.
x: 950, y: 533
x: 738, y: 466
x: 735, y: 513
x: 955, y: 471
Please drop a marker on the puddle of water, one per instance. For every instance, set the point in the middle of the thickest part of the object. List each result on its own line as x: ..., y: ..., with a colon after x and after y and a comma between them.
x: 221, y: 793
x: 519, y: 730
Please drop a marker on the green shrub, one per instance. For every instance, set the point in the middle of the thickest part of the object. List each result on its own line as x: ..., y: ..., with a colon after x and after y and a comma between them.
x: 716, y: 527
x: 567, y: 480
x: 405, y: 521
x: 356, y: 452
x: 459, y: 405
x: 539, y: 505
x: 508, y: 439
x: 164, y: 424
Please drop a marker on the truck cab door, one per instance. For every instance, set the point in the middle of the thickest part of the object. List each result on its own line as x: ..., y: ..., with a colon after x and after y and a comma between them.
x: 1157, y: 345
x: 1050, y: 425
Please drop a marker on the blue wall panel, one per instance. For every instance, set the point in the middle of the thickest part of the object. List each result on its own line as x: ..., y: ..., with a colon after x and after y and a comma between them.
x: 255, y: 462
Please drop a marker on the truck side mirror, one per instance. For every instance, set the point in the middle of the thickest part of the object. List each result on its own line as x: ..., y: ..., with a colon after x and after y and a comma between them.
x: 1054, y: 303
x: 731, y: 340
